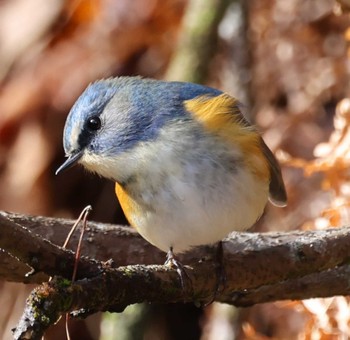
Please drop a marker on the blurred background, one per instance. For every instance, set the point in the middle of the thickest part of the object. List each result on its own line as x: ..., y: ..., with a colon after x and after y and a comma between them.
x: 286, y: 61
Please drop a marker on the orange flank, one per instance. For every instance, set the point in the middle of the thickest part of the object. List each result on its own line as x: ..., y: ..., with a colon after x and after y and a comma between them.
x: 129, y: 206
x: 220, y: 115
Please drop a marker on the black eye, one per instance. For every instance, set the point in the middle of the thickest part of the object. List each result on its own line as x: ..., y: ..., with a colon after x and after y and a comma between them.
x: 93, y: 123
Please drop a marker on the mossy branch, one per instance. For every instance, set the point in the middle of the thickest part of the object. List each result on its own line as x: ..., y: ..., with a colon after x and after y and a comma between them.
x: 259, y: 267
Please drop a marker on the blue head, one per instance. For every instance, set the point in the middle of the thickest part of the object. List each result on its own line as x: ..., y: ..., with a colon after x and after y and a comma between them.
x: 112, y: 116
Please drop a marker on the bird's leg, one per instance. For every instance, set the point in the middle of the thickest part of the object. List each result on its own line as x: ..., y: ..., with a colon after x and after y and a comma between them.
x: 172, y: 262
x: 170, y: 258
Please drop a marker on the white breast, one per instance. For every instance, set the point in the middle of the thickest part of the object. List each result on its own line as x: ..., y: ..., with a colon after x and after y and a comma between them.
x: 188, y: 190
x: 193, y: 196
x: 189, y: 216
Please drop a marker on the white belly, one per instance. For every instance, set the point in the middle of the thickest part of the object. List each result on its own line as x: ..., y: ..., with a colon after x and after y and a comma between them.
x: 185, y: 212
x: 182, y: 196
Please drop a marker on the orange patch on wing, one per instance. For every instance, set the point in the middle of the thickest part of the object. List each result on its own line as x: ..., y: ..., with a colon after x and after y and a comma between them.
x: 129, y: 206
x: 220, y: 115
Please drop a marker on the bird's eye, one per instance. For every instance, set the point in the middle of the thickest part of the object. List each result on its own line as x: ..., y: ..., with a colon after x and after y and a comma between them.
x: 93, y: 123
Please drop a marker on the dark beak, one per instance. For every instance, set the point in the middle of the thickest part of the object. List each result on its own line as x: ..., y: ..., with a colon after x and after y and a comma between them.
x: 70, y: 161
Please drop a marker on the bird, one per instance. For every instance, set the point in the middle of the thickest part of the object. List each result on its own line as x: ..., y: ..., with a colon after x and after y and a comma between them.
x: 189, y: 168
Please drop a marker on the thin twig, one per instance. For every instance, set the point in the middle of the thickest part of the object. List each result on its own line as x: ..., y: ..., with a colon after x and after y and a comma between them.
x: 82, y: 217
x: 85, y: 211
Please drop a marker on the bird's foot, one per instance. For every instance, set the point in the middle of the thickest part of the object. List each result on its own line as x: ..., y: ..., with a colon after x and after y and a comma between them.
x: 172, y: 262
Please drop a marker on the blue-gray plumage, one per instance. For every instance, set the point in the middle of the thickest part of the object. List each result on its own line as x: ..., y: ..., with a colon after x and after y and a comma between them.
x: 144, y: 106
x: 188, y: 166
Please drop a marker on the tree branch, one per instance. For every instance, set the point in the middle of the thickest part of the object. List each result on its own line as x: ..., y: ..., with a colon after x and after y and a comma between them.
x: 258, y: 268
x: 197, y: 40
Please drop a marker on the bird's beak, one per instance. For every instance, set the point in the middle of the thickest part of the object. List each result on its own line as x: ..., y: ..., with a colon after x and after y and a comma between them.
x: 70, y: 161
